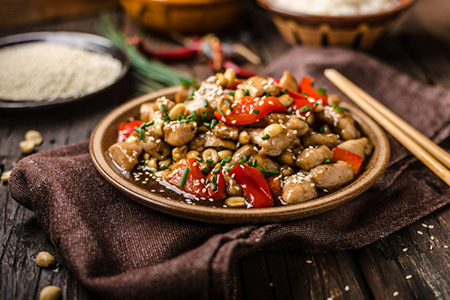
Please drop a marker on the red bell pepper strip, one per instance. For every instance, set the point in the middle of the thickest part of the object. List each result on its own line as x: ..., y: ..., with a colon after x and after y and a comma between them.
x: 254, y: 185
x: 126, y: 129
x: 248, y: 110
x: 217, y: 188
x: 306, y: 86
x: 193, y: 183
x: 351, y: 158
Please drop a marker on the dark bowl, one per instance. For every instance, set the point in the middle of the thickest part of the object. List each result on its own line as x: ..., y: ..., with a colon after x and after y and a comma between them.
x: 76, y: 39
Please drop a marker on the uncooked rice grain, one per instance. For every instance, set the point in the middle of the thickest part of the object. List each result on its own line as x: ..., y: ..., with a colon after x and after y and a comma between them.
x: 44, y: 71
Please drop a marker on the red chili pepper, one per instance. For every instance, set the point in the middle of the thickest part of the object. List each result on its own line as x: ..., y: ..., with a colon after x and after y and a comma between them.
x: 241, y: 72
x: 193, y: 183
x: 351, y: 158
x: 220, y: 191
x: 248, y: 110
x: 254, y: 185
x: 306, y: 86
x: 126, y: 129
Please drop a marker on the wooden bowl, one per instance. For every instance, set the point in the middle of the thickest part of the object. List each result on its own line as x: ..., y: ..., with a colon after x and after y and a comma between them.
x: 105, y: 135
x: 359, y: 31
x: 184, y: 16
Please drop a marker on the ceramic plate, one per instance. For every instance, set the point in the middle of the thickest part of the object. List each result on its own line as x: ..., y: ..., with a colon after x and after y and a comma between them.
x: 106, y: 134
x: 75, y: 39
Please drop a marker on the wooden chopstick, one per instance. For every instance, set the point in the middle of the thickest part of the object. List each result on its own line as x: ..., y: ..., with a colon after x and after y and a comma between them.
x: 420, y: 146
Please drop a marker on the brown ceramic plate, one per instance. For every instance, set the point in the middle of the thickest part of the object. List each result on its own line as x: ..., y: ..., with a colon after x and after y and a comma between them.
x: 80, y: 40
x: 106, y: 134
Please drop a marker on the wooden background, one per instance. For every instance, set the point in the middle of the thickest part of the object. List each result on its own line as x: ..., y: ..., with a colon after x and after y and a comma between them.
x: 420, y: 46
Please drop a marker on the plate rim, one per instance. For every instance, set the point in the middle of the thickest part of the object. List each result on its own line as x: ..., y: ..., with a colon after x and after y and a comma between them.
x: 376, y: 166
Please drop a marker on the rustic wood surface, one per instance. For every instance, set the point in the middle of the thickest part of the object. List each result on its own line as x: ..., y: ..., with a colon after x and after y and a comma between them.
x: 404, y: 265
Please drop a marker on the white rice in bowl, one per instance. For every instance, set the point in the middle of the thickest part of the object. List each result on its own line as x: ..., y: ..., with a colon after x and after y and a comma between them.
x: 336, y: 7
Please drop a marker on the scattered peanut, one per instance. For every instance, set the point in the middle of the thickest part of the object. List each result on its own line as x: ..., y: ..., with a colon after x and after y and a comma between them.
x: 50, y: 293
x: 45, y: 259
x: 179, y: 152
x: 235, y: 202
x: 238, y: 94
x: 34, y: 136
x: 273, y: 130
x: 230, y: 76
x: 286, y: 100
x: 5, y: 176
x: 152, y: 163
x: 225, y: 153
x: 26, y: 146
x: 192, y: 154
x: 177, y: 110
x: 210, y: 155
x: 244, y: 138
x: 220, y: 79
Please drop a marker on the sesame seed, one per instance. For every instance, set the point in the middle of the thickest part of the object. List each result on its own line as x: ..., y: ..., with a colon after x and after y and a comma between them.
x: 432, y: 238
x: 408, y: 277
x: 347, y: 288
x: 424, y: 225
x: 431, y: 247
x: 405, y: 249
x: 309, y: 261
x: 431, y: 226
x: 395, y: 294
x: 330, y: 298
x: 419, y: 232
x: 161, y: 191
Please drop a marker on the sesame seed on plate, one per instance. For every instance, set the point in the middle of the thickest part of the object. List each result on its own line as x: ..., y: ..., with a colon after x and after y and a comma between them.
x: 395, y: 294
x: 347, y: 288
x: 408, y: 277
x: 419, y: 232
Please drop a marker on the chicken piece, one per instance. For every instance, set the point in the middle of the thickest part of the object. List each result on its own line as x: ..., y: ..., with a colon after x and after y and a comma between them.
x: 148, y: 113
x: 299, y: 127
x: 163, y: 105
x: 233, y: 187
x: 288, y: 82
x: 316, y: 139
x: 156, y: 147
x: 178, y: 134
x: 125, y: 154
x: 361, y: 146
x: 213, y: 141
x: 342, y: 122
x: 198, y: 143
x: 257, y: 86
x: 223, y: 131
x: 313, y: 157
x: 273, y: 118
x: 275, y: 145
x: 298, y: 188
x: 332, y: 176
x: 245, y: 151
x: 265, y: 162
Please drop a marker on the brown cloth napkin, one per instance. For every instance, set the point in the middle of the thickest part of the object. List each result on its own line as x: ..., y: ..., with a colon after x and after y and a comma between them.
x: 122, y: 250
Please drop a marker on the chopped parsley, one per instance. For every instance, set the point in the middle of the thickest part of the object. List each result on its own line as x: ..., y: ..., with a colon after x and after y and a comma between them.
x: 163, y: 107
x: 223, y: 113
x: 265, y: 137
x: 305, y: 94
x: 229, y: 105
x: 232, y: 93
x: 140, y: 131
x: 188, y: 83
x: 255, y: 111
x: 216, y: 171
x: 226, y: 160
x: 204, y: 115
x: 199, y: 159
x: 205, y: 103
x: 184, y: 177
x: 246, y: 92
x: 327, y: 161
x: 209, y: 161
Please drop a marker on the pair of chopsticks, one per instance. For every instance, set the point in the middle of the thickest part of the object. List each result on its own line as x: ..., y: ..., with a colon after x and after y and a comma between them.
x: 429, y: 153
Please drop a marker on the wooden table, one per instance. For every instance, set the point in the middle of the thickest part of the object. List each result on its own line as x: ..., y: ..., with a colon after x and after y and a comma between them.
x: 405, y: 265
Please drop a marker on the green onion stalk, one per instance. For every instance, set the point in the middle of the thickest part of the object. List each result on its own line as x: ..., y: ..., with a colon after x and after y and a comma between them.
x: 151, y: 74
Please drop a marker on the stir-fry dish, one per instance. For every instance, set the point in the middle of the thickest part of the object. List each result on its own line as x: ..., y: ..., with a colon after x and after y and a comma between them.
x: 256, y: 143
